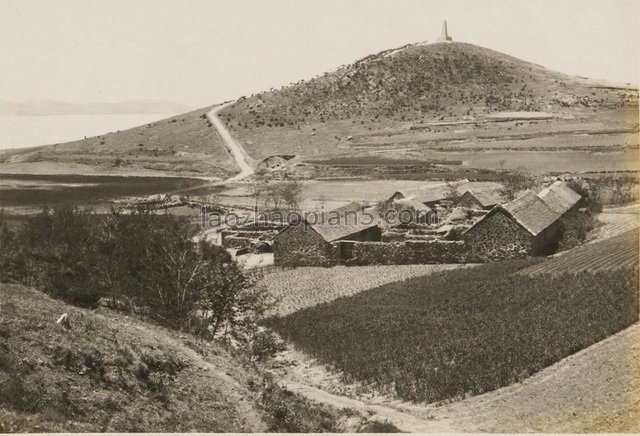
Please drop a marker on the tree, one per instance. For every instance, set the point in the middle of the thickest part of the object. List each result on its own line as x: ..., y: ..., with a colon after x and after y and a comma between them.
x: 452, y: 193
x: 291, y: 194
x: 514, y: 182
x: 147, y: 261
x: 257, y: 190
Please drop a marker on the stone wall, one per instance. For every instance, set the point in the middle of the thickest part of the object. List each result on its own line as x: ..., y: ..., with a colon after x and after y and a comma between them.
x: 233, y: 241
x: 499, y: 237
x: 300, y: 245
x: 408, y: 252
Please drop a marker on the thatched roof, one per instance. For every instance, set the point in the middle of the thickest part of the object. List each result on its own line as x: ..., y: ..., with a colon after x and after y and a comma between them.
x: 537, y: 212
x: 354, y: 206
x: 433, y: 193
x: 333, y: 226
x: 559, y: 197
x: 413, y: 203
x: 486, y: 198
x: 531, y: 212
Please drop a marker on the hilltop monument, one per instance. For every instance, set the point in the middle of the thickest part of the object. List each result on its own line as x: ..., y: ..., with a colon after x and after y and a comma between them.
x: 444, y: 36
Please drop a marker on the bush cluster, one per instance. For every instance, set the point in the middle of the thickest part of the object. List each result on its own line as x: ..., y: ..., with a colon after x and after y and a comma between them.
x: 139, y: 261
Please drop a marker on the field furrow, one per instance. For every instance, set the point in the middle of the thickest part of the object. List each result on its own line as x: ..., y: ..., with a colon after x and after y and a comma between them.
x: 609, y: 254
x: 308, y: 286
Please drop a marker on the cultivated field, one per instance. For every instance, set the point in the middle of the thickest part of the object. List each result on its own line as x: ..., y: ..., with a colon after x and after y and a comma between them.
x: 615, y: 253
x: 308, y: 286
x: 463, y: 332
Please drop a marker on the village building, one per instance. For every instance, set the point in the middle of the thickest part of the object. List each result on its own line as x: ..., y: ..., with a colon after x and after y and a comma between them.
x: 483, y: 200
x: 526, y: 226
x: 324, y: 239
x: 415, y: 212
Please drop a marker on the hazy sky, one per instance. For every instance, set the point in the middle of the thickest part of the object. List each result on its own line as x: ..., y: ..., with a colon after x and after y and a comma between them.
x: 200, y: 52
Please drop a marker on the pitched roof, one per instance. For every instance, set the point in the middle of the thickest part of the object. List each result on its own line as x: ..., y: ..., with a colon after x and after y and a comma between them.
x: 537, y: 212
x: 559, y: 197
x: 334, y: 226
x: 354, y: 206
x: 415, y: 204
x: 430, y: 193
x: 531, y: 212
x: 486, y: 198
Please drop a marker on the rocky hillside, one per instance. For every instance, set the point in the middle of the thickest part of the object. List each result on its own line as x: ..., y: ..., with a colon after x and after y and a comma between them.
x: 412, y: 88
x: 445, y: 79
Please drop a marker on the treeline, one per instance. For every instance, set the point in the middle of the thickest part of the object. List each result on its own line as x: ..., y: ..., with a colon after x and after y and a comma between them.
x: 137, y: 261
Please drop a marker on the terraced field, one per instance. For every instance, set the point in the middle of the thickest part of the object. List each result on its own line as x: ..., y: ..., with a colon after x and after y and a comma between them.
x: 614, y: 253
x: 308, y: 286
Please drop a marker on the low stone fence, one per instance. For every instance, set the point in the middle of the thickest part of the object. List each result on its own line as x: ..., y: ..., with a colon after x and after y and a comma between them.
x: 237, y: 242
x: 408, y: 252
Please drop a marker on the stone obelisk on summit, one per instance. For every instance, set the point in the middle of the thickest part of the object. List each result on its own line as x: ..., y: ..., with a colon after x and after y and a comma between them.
x: 444, y: 37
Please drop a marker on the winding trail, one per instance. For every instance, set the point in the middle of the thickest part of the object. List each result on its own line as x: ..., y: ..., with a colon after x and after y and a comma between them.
x: 237, y: 151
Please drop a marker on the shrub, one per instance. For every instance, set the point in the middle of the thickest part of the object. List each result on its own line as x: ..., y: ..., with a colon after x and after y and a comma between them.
x: 266, y: 344
x: 83, y: 297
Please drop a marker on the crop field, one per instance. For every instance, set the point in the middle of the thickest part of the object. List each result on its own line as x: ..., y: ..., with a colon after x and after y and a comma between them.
x: 308, y: 286
x: 465, y: 331
x: 618, y: 252
x: 538, y: 161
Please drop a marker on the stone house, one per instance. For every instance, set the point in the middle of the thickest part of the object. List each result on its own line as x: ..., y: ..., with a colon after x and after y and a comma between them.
x: 415, y: 211
x: 323, y: 241
x: 483, y: 200
x: 526, y: 226
x: 431, y: 195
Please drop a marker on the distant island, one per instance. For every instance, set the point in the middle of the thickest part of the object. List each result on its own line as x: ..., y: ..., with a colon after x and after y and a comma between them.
x: 54, y: 107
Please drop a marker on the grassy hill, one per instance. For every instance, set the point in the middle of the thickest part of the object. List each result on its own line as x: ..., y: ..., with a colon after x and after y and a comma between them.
x: 183, y: 145
x: 444, y: 105
x: 111, y: 372
x: 422, y: 99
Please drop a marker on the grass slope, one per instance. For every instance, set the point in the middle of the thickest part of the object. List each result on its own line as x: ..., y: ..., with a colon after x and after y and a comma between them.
x: 181, y: 145
x: 114, y: 373
x: 464, y: 331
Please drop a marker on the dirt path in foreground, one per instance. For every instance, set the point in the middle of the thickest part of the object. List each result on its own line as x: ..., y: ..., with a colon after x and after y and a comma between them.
x: 594, y: 390
x: 234, y: 390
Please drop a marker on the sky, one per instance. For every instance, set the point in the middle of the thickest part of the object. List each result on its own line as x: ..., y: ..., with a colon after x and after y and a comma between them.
x: 200, y: 52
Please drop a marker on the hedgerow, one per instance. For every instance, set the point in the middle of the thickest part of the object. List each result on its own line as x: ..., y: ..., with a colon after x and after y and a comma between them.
x: 462, y: 332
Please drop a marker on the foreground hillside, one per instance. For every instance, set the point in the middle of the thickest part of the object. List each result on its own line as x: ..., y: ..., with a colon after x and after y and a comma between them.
x: 184, y: 145
x: 110, y: 372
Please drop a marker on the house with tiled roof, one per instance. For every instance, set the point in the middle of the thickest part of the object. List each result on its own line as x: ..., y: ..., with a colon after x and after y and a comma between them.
x: 313, y: 240
x: 526, y: 226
